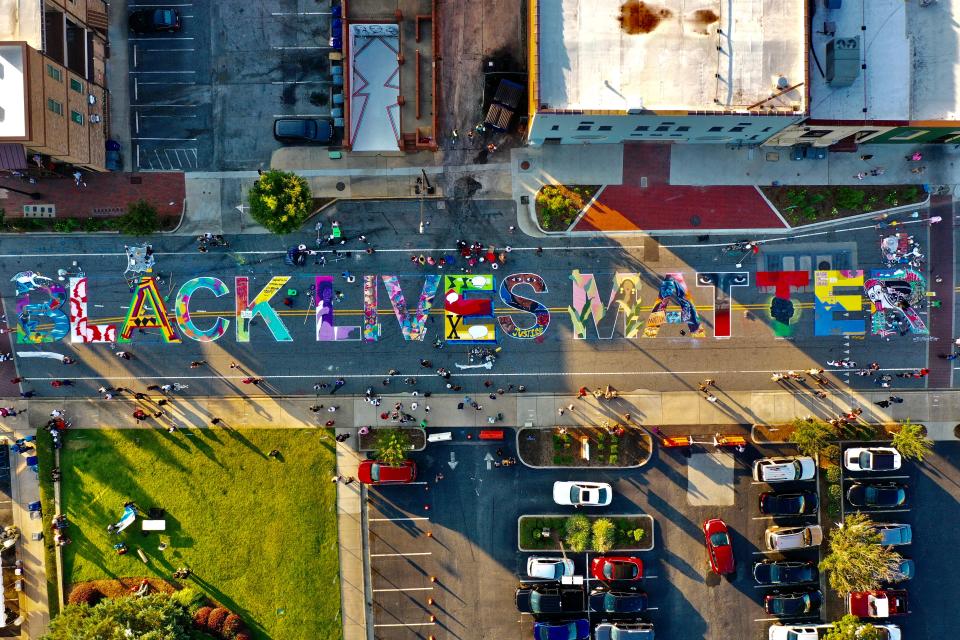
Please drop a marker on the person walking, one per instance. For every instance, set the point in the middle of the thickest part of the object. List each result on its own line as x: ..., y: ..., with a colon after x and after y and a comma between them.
x: 711, y: 398
x: 197, y: 363
x: 895, y: 399
x: 882, y: 403
x: 123, y: 355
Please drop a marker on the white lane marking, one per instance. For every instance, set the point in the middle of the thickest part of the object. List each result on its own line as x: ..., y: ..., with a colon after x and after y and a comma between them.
x: 166, y: 50
x: 298, y: 48
x: 397, y: 519
x: 404, y: 589
x: 136, y: 121
x: 300, y: 82
x: 300, y: 13
x: 136, y: 91
x: 168, y: 139
x: 179, y: 106
x: 303, y: 115
x: 401, y: 555
x: 166, y: 84
x: 135, y: 56
x: 148, y: 39
x: 169, y: 115
x: 134, y: 72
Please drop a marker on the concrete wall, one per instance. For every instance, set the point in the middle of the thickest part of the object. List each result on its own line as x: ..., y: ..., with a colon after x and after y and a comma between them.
x: 35, y: 102
x: 575, y: 128
x: 814, y: 134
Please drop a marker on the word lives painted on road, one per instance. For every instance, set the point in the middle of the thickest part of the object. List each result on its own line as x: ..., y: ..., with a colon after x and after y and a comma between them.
x: 48, y: 312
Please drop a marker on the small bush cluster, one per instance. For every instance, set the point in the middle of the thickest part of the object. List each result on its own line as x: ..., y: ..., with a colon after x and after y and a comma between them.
x: 85, y: 594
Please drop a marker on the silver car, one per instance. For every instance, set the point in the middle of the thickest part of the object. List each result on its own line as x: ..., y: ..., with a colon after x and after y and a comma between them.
x: 549, y: 568
x: 623, y: 631
x: 786, y: 538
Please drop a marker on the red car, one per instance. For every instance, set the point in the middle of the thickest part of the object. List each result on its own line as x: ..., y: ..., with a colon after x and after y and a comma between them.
x: 878, y: 604
x: 719, y: 546
x: 608, y: 568
x: 376, y: 472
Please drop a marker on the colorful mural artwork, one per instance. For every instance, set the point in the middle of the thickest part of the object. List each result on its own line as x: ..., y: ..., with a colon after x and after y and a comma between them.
x: 514, y: 300
x: 782, y: 309
x: 31, y: 314
x: 412, y: 328
x: 182, y: 309
x: 80, y: 328
x: 371, y: 325
x: 461, y: 304
x: 827, y: 303
x: 246, y: 310
x: 586, y: 304
x: 673, y: 290
x: 723, y: 283
x: 893, y: 293
x: 147, y: 311
x: 327, y: 330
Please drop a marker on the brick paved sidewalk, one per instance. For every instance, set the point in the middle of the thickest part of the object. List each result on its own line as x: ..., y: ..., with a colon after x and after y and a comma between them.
x: 106, y: 194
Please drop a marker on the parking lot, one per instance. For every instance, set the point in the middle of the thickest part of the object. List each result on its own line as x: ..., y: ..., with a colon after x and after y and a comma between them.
x: 205, y: 97
x: 471, y: 512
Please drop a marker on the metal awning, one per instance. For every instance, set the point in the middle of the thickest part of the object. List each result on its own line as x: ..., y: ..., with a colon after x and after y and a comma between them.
x: 13, y: 157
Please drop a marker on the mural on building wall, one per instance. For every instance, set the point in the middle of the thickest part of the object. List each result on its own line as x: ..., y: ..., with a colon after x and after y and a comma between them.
x: 828, y: 303
x: 182, y: 308
x: 510, y: 297
x: 673, y: 291
x: 467, y: 298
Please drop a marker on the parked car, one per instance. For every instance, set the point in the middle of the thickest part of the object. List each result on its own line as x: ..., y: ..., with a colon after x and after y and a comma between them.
x: 549, y: 599
x: 818, y: 631
x: 584, y: 494
x: 886, y: 495
x: 623, y: 631
x: 784, y: 572
x: 785, y: 605
x: 567, y: 630
x: 606, y: 568
x: 719, y: 546
x: 618, y: 601
x: 788, y: 504
x: 154, y: 20
x: 906, y: 570
x: 786, y: 538
x: 893, y: 534
x: 303, y: 130
x: 784, y: 469
x: 872, y: 459
x: 882, y: 603
x: 549, y: 568
x: 376, y: 472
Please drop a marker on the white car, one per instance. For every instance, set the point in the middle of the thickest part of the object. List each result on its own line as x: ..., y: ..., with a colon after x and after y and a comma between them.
x: 785, y: 538
x: 872, y: 459
x: 818, y: 631
x: 549, y: 568
x: 784, y: 469
x: 588, y: 494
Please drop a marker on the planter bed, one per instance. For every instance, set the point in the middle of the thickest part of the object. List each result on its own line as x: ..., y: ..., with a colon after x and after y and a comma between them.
x: 528, y: 524
x: 368, y: 442
x: 806, y: 204
x: 546, y: 448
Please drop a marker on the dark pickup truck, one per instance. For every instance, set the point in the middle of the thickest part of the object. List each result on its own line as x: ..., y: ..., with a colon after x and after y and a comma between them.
x: 550, y: 599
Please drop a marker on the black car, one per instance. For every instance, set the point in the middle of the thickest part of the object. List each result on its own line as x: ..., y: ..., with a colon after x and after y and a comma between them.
x: 303, y: 130
x: 784, y: 605
x: 777, y: 572
x: 618, y: 601
x: 155, y: 20
x: 788, y: 504
x: 549, y: 599
x: 877, y: 494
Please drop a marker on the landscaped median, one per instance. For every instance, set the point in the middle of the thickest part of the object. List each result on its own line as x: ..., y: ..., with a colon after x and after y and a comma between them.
x: 806, y: 204
x: 586, y: 447
x: 581, y: 532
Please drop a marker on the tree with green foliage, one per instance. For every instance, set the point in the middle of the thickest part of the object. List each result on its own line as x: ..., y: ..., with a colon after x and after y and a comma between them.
x: 577, y: 530
x: 141, y: 219
x: 280, y: 201
x: 849, y: 627
x: 856, y: 560
x: 153, y: 617
x: 392, y: 446
x: 811, y: 435
x: 912, y: 441
x: 604, y: 533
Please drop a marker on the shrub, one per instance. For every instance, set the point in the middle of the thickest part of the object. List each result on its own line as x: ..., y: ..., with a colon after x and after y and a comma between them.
x: 834, y: 496
x: 280, y: 201
x: 94, y: 224
x: 141, y: 219
x: 603, y: 535
x: 189, y: 598
x: 833, y: 475
x: 66, y: 225
x: 848, y: 198
x: 217, y: 618
x: 577, y: 529
x: 612, y: 459
x: 85, y: 594
x: 811, y: 435
x: 830, y: 455
x: 201, y: 616
x: 232, y: 626
x: 243, y: 635
x: 392, y: 446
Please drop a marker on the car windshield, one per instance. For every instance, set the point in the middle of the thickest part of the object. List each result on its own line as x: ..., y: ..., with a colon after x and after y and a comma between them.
x: 601, y: 495
x: 165, y: 16
x: 375, y: 472
x: 552, y: 568
x: 575, y: 494
x: 797, y: 469
x: 806, y: 536
x: 719, y: 539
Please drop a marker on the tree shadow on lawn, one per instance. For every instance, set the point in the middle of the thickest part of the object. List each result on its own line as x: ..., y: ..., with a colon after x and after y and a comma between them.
x: 229, y: 603
x: 242, y: 439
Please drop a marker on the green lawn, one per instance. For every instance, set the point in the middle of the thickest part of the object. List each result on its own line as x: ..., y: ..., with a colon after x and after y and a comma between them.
x: 260, y: 534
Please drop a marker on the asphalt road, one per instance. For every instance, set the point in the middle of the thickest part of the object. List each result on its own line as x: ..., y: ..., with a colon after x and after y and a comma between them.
x: 556, y: 362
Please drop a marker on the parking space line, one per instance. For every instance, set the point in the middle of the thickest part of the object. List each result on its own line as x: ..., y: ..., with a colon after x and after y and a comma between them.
x: 136, y: 121
x: 138, y: 154
x: 773, y: 586
x: 794, y: 515
x: 763, y: 553
x: 786, y: 620
x: 872, y: 478
x: 303, y: 47
x: 136, y: 91
x: 134, y: 72
x: 168, y: 139
x: 872, y: 511
x: 300, y: 115
x: 401, y: 555
x: 397, y: 519
x: 168, y: 83
x: 189, y: 4
x: 168, y: 115
x: 135, y: 56
x: 300, y: 13
x: 163, y: 39
x: 404, y: 589
x: 301, y: 82
x: 166, y: 50
x: 409, y: 624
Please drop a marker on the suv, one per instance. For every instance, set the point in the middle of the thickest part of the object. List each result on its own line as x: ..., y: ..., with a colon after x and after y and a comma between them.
x: 786, y: 538
x: 784, y: 469
x: 872, y: 459
x: 549, y: 599
x: 303, y: 130
x: 623, y: 631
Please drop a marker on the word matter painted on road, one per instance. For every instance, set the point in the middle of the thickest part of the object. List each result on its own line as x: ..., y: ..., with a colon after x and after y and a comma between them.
x: 46, y: 313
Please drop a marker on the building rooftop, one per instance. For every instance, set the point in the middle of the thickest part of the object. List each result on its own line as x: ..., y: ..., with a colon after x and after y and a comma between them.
x: 13, y: 117
x: 624, y: 54
x: 21, y: 20
x: 881, y: 91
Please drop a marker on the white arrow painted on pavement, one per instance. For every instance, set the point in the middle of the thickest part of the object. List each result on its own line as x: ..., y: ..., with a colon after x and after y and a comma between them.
x: 483, y: 365
x: 453, y: 460
x: 241, y: 208
x: 489, y: 459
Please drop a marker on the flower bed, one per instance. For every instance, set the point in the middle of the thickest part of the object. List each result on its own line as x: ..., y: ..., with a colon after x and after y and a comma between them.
x: 802, y: 205
x: 562, y: 447
x: 546, y: 532
x: 368, y: 441
x: 559, y: 205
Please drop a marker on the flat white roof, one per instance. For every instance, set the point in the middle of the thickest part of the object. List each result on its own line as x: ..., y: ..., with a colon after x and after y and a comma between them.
x: 882, y: 91
x: 374, y: 87
x: 13, y: 120
x: 621, y: 55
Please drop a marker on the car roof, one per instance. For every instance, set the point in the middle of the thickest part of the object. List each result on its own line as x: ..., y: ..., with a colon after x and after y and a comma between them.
x: 778, y: 469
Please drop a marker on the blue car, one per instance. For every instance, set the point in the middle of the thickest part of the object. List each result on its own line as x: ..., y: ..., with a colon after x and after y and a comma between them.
x: 569, y: 630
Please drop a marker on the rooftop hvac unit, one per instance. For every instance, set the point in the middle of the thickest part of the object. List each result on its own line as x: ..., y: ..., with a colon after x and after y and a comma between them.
x: 843, y: 61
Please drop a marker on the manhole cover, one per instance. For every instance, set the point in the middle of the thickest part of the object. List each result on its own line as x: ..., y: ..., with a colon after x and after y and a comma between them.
x: 525, y: 165
x: 341, y: 186
x: 695, y: 221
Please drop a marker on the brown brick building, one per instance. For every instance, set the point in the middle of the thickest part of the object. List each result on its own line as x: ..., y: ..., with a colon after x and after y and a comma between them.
x: 53, y: 82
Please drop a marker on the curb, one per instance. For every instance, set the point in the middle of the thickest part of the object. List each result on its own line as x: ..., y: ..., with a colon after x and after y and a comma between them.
x: 601, y: 467
x: 603, y: 515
